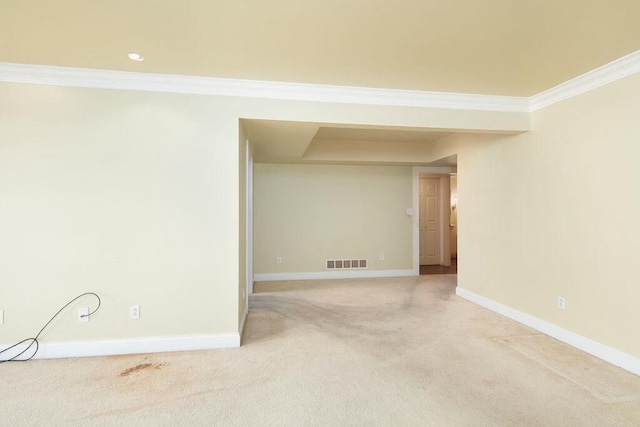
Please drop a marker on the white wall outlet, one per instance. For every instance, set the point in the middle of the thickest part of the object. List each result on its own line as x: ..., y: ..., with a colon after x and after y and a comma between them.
x: 1, y: 317
x: 561, y: 303
x: 409, y: 211
x: 381, y: 256
x: 83, y: 315
x: 134, y: 312
x: 279, y: 260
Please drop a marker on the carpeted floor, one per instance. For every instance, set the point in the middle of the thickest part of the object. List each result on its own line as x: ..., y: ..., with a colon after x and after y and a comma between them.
x: 401, y: 352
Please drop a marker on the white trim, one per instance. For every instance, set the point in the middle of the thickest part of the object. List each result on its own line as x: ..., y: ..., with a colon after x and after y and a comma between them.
x: 135, y: 346
x: 615, y: 70
x: 124, y: 80
x: 606, y: 353
x: 345, y: 274
x: 172, y: 83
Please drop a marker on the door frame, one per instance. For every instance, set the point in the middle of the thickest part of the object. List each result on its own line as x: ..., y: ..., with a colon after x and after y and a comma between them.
x: 445, y: 245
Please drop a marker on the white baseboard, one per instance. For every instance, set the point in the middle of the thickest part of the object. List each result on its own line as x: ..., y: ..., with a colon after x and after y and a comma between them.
x: 134, y: 346
x: 608, y: 354
x: 342, y: 274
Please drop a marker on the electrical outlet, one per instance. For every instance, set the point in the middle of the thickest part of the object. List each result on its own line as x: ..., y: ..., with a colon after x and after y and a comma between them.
x: 1, y: 317
x: 279, y: 260
x: 561, y: 303
x: 134, y: 312
x: 381, y: 256
x: 83, y: 315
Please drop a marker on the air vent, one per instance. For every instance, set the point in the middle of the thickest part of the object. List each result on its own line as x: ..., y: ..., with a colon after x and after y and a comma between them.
x: 346, y: 264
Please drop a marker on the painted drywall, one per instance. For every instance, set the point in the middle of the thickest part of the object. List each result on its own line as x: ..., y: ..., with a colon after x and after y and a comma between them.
x: 368, y: 151
x: 242, y: 220
x: 136, y: 196
x: 554, y: 212
x: 307, y: 214
x: 118, y: 193
x: 453, y: 216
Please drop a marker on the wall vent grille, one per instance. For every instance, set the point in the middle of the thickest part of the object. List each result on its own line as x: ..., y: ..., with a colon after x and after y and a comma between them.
x: 346, y: 264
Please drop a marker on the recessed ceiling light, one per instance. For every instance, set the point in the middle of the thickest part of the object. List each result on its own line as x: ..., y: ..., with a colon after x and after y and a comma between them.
x: 135, y: 57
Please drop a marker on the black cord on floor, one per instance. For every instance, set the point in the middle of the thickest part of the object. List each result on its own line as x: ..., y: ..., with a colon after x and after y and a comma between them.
x: 34, y: 340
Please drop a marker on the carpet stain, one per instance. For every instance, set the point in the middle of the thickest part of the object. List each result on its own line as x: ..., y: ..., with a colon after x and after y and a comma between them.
x: 141, y: 367
x: 339, y: 353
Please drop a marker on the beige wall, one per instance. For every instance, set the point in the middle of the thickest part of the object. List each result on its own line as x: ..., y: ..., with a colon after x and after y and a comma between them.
x: 242, y: 221
x: 307, y: 214
x: 135, y: 195
x: 555, y: 212
x: 453, y: 217
x: 121, y: 193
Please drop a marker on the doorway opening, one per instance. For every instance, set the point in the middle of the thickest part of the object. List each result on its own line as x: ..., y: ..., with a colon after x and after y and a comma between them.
x: 437, y: 223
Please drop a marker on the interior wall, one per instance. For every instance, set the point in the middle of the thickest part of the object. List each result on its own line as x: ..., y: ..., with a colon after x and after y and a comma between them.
x: 131, y: 195
x: 249, y: 227
x: 136, y: 195
x: 307, y: 214
x: 454, y: 216
x: 242, y: 220
x: 445, y: 230
x: 554, y: 213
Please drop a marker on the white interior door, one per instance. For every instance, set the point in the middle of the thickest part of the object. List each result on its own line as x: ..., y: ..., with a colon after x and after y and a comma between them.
x: 429, y: 221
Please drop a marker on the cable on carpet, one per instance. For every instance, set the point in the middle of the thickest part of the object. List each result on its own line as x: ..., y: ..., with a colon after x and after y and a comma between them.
x: 34, y: 341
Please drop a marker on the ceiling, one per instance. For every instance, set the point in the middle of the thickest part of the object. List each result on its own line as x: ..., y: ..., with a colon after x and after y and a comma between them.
x: 306, y: 142
x: 377, y: 134
x: 500, y: 47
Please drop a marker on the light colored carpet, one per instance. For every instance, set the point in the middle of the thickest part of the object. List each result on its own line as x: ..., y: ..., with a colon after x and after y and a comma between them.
x: 399, y: 352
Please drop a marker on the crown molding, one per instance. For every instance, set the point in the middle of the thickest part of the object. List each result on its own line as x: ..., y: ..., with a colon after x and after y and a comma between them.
x: 615, y: 70
x: 123, y: 80
x: 171, y: 83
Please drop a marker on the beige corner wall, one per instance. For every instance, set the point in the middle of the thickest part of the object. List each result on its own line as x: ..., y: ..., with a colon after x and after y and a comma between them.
x: 307, y: 214
x: 555, y: 213
x: 138, y: 196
